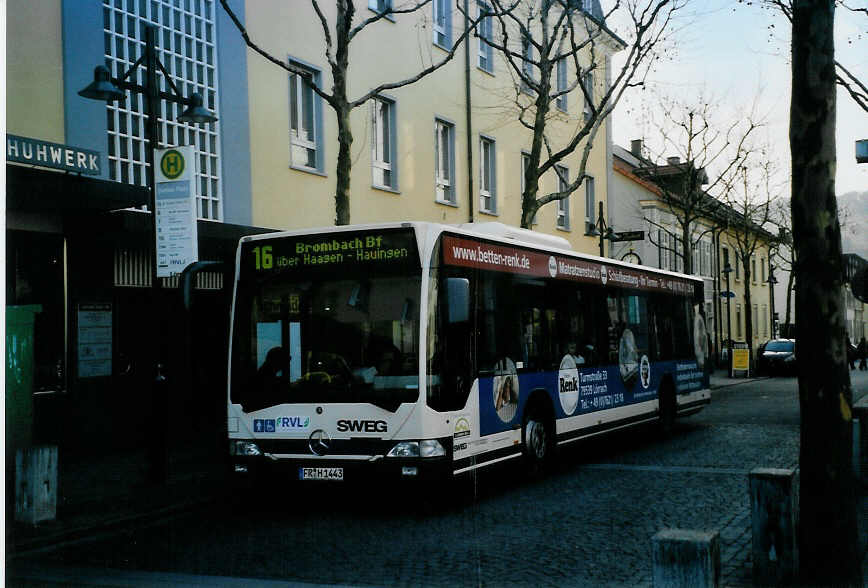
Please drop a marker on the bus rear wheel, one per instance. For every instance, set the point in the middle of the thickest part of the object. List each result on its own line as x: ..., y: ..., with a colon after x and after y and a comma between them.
x: 538, y: 440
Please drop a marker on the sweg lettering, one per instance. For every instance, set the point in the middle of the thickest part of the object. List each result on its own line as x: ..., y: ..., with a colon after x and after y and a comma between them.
x: 345, y: 425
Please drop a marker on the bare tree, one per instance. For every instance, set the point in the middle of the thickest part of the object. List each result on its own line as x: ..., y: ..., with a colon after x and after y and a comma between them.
x: 686, y: 186
x: 783, y: 253
x: 829, y: 548
x: 568, y: 40
x: 750, y: 201
x: 338, y: 37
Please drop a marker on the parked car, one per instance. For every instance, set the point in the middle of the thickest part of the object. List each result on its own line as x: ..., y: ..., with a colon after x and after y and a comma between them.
x: 777, y: 356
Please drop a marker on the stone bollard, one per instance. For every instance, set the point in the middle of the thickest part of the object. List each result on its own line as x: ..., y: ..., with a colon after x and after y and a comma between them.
x: 686, y: 558
x: 773, y: 506
x: 36, y: 484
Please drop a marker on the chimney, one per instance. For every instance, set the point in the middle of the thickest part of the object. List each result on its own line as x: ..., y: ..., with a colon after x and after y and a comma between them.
x: 674, y: 160
x: 636, y: 147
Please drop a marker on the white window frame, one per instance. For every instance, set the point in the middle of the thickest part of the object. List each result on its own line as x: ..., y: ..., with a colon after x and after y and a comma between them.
x: 526, y: 63
x: 444, y: 161
x: 487, y: 175
x: 384, y: 144
x: 588, y: 82
x: 590, y: 204
x: 442, y: 17
x: 485, y: 30
x: 302, y: 138
x: 561, y: 74
x: 379, y: 6
x: 562, y: 220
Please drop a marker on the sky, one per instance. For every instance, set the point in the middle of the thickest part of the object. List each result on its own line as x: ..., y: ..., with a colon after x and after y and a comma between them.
x: 727, y: 51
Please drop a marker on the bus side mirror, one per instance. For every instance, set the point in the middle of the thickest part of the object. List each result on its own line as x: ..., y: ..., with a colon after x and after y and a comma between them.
x: 458, y: 300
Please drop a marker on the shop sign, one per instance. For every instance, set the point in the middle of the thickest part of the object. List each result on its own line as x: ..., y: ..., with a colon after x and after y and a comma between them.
x: 54, y: 155
x: 94, y: 340
x: 177, y: 237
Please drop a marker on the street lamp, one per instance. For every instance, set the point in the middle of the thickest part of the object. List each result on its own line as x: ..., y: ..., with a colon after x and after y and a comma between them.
x: 602, y: 230
x: 727, y: 269
x: 772, y: 281
x: 109, y: 89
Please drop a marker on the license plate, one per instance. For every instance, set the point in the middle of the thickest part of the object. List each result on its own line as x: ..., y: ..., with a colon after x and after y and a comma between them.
x: 321, y: 474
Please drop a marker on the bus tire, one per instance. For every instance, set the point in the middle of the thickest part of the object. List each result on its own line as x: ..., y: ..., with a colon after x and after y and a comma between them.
x: 667, y: 407
x: 537, y: 435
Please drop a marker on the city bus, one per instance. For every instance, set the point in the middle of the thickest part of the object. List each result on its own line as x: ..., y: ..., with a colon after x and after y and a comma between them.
x: 420, y: 351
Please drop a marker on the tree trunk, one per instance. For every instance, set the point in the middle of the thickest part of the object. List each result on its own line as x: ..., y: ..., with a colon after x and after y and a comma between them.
x: 748, y: 315
x: 345, y: 166
x: 687, y: 248
x: 828, y: 536
x: 790, y: 282
x: 340, y: 104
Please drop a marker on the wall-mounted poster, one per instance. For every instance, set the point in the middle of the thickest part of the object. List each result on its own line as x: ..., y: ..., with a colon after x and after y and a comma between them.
x: 94, y: 340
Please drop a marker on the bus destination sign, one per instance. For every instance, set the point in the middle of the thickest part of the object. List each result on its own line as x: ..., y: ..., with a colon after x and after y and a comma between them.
x: 471, y: 253
x: 330, y: 251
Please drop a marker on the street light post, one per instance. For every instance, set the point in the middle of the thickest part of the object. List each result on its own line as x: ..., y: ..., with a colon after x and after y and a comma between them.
x: 109, y: 89
x: 772, y: 281
x: 602, y: 230
x: 727, y: 269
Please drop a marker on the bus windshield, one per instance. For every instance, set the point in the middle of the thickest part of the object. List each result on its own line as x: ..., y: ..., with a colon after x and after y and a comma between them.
x: 345, y: 335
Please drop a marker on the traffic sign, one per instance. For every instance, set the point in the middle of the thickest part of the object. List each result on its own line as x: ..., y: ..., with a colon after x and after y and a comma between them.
x: 628, y: 236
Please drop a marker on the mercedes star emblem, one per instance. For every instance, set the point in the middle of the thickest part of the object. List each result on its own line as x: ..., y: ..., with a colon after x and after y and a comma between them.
x: 319, y: 442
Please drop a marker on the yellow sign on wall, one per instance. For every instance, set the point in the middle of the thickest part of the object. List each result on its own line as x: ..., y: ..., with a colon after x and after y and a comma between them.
x: 740, y: 359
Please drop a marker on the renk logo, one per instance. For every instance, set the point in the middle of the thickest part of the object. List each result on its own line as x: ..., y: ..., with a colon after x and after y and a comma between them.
x: 603, y: 277
x: 345, y: 425
x: 568, y: 384
x: 553, y: 266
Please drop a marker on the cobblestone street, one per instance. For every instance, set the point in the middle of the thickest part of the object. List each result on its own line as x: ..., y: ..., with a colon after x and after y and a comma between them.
x: 587, y: 523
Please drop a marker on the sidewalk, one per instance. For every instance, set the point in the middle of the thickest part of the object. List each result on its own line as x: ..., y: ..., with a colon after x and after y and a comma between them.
x: 720, y: 379
x: 113, y: 491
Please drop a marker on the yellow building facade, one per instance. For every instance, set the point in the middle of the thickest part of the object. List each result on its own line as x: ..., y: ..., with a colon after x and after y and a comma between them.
x: 293, y: 167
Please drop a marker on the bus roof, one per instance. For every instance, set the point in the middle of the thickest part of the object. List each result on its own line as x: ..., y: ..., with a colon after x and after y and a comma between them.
x: 429, y: 231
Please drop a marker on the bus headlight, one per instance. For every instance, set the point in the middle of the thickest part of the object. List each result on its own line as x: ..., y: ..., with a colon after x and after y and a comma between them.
x: 245, y: 448
x: 405, y: 449
x: 424, y: 448
x: 431, y: 448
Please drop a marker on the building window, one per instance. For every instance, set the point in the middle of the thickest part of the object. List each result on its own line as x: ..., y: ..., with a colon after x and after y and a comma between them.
x: 187, y: 47
x: 590, y: 221
x: 753, y: 269
x: 738, y: 320
x: 442, y: 23
x: 765, y: 320
x: 487, y: 176
x: 588, y: 82
x: 380, y: 5
x: 485, y: 32
x: 384, y: 144
x: 563, y: 219
x: 755, y: 321
x: 526, y: 64
x: 763, y: 269
x: 444, y: 161
x: 561, y: 101
x: 305, y: 110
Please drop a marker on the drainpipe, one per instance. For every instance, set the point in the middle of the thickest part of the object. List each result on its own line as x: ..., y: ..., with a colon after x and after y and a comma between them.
x: 468, y: 122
